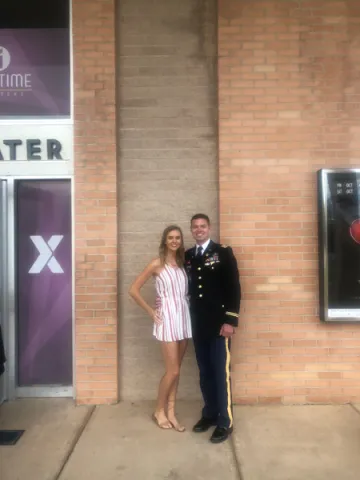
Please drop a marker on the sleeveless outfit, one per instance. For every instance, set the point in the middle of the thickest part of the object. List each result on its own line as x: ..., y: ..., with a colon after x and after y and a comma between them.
x: 172, y: 305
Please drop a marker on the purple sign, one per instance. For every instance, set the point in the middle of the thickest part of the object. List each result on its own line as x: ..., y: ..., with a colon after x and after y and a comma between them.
x: 44, y: 282
x: 35, y: 72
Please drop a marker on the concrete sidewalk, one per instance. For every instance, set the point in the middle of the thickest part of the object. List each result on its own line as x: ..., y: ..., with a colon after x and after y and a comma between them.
x: 121, y: 442
x: 52, y: 427
x: 298, y: 443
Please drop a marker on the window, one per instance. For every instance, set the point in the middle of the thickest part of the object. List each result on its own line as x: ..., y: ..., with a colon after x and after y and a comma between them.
x: 35, y: 59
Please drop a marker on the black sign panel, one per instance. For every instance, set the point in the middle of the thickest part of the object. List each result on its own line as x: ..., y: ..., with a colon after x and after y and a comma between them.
x: 339, y: 244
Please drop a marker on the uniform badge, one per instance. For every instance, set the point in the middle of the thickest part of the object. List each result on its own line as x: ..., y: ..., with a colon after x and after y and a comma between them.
x: 211, y: 260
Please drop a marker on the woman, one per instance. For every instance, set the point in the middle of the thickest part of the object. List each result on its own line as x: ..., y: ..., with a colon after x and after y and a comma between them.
x: 171, y: 318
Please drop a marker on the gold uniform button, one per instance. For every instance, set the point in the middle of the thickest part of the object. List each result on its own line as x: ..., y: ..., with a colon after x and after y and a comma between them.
x: 200, y: 295
x: 199, y: 268
x: 200, y: 286
x: 199, y: 278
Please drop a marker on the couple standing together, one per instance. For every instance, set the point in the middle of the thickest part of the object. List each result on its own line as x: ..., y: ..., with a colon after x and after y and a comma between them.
x: 198, y: 295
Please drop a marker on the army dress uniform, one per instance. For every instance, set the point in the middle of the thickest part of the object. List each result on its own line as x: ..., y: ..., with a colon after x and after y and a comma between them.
x: 215, y: 294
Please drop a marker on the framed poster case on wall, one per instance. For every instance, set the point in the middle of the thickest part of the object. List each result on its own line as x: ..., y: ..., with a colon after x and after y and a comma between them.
x: 339, y: 244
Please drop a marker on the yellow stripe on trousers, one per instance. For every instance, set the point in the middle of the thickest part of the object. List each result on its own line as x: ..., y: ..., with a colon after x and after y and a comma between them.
x: 228, y: 385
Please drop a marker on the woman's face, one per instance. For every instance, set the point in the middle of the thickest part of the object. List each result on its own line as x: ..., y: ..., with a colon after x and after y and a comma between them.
x: 173, y: 240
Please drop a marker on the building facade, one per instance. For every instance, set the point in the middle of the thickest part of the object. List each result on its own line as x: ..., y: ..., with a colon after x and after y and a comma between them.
x: 229, y: 107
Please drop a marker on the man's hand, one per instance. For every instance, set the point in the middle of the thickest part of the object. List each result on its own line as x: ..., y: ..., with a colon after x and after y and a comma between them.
x: 227, y: 330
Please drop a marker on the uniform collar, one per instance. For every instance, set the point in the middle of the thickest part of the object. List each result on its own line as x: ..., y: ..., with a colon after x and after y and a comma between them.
x: 204, y: 246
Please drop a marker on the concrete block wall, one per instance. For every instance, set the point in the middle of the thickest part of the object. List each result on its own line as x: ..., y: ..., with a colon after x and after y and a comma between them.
x: 289, y: 104
x: 167, y: 157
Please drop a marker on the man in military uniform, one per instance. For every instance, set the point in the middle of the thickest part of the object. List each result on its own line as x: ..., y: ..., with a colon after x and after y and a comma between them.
x: 215, y: 294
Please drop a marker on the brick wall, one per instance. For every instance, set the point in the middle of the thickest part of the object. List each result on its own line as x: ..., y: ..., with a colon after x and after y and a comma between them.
x: 167, y: 110
x: 289, y: 97
x: 95, y: 202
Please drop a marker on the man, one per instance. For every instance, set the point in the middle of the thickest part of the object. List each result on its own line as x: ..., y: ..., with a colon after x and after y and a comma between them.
x: 215, y: 294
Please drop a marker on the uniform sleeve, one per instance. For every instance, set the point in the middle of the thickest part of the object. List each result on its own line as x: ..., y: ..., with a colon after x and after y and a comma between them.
x: 232, y: 290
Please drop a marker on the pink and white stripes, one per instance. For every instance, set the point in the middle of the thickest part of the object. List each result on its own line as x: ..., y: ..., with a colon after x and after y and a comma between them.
x: 172, y: 305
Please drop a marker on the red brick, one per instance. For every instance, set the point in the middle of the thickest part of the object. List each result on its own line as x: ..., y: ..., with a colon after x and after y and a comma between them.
x: 302, y: 119
x: 95, y: 78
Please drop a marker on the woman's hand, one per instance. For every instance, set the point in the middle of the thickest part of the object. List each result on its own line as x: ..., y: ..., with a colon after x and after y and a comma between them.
x: 156, y: 317
x: 135, y: 288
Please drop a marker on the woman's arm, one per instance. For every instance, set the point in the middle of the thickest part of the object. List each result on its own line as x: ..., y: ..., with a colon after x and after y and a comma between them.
x: 138, y: 283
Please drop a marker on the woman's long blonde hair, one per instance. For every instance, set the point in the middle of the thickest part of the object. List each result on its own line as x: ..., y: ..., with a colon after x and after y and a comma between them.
x: 180, y: 253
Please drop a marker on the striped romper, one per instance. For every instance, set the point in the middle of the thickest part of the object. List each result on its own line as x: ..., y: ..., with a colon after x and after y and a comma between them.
x: 172, y: 305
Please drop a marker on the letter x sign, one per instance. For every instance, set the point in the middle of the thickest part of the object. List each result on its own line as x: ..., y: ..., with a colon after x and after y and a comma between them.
x: 46, y: 254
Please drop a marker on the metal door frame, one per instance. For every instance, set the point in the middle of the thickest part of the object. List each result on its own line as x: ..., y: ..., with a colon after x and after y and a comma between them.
x: 12, y: 390
x: 3, y: 283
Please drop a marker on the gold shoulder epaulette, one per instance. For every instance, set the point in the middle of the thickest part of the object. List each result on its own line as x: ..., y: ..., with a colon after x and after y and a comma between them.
x: 224, y: 246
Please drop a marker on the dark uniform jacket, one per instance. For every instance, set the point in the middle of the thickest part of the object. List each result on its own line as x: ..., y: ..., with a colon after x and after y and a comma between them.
x: 214, y: 289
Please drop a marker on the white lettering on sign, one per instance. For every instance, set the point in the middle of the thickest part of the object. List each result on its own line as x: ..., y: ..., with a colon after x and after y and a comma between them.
x: 12, y: 83
x: 15, y: 80
x: 46, y: 254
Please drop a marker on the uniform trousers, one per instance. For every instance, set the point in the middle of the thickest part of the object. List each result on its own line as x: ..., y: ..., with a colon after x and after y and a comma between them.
x: 213, y: 358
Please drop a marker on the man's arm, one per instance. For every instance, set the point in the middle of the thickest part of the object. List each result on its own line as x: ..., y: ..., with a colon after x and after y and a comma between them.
x: 232, y: 288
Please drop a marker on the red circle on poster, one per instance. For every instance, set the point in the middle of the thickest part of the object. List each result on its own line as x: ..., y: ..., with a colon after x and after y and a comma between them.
x: 355, y: 230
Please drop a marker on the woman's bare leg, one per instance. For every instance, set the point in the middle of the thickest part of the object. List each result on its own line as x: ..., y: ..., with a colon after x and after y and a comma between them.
x: 171, y: 415
x: 170, y: 351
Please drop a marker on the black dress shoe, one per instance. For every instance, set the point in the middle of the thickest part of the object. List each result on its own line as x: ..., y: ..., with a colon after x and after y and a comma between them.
x: 220, y: 434
x: 203, y: 425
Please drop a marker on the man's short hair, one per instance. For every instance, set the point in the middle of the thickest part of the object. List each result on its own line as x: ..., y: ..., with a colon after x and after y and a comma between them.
x: 198, y: 216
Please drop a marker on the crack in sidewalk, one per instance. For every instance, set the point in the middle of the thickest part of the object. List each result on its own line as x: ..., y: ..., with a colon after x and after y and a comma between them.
x: 356, y: 409
x: 74, y: 442
x: 236, y: 459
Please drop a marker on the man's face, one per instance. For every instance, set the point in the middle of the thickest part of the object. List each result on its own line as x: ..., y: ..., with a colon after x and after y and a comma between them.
x: 200, y: 230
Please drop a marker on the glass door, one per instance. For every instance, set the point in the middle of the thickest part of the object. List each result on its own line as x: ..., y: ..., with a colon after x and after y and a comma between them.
x: 36, y: 288
x: 3, y: 287
x: 43, y: 270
